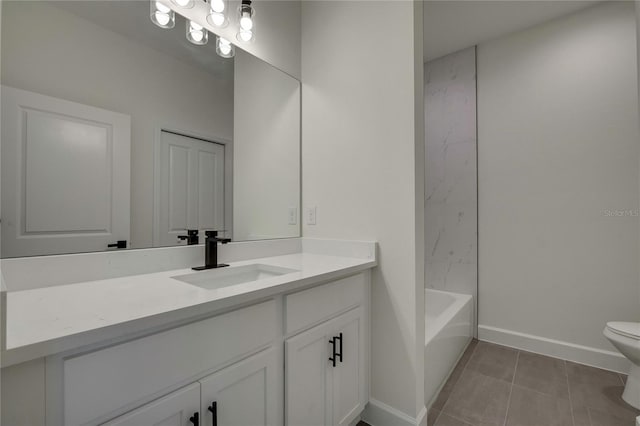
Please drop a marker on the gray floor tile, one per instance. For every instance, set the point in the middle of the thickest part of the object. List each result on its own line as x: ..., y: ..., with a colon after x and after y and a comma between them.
x: 531, y: 408
x: 494, y: 361
x: 478, y: 399
x: 600, y: 391
x: 581, y: 417
x: 432, y: 416
x: 543, y: 374
x: 446, y: 420
x: 601, y: 418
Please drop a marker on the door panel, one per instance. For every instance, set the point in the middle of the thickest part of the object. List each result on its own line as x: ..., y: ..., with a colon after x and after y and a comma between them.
x: 190, y: 187
x: 210, y: 208
x: 178, y: 202
x: 65, y: 175
x: 244, y: 393
x: 307, y: 399
x: 174, y: 409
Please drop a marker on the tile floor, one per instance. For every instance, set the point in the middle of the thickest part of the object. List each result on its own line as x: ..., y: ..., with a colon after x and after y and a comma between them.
x: 496, y: 385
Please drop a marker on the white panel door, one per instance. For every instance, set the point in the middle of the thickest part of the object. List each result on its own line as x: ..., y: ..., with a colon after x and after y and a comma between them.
x: 243, y: 394
x: 348, y: 381
x: 180, y: 408
x: 307, y: 381
x: 191, y: 187
x: 65, y: 175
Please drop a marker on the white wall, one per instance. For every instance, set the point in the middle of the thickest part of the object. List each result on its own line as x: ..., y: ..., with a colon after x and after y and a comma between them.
x: 65, y: 56
x: 451, y: 174
x: 558, y: 150
x: 363, y: 165
x: 266, y: 169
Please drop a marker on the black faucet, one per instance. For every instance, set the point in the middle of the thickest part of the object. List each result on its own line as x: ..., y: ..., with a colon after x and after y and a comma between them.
x: 191, y: 237
x: 211, y: 251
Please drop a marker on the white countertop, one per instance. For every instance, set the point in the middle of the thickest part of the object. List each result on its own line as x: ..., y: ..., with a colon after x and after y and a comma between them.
x: 49, y: 320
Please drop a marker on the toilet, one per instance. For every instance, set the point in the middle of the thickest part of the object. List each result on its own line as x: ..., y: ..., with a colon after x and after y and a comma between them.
x: 625, y: 336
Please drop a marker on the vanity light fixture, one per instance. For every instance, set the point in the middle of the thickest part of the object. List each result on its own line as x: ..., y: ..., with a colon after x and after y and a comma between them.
x: 224, y: 48
x: 246, y: 13
x: 186, y: 4
x: 162, y: 15
x: 196, y: 33
x: 217, y: 16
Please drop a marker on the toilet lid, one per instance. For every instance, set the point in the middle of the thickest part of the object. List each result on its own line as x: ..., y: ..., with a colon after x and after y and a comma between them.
x: 628, y: 329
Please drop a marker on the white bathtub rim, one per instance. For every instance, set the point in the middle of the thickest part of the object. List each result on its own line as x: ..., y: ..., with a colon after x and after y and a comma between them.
x: 441, y: 321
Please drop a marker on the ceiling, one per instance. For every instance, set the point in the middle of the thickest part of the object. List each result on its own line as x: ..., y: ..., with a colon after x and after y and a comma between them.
x: 131, y: 20
x: 452, y: 25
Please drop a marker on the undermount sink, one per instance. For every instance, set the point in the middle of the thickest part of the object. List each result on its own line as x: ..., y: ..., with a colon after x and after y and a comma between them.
x: 225, y: 277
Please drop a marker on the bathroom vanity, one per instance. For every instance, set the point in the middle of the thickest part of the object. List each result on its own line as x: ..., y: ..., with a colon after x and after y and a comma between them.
x: 266, y: 341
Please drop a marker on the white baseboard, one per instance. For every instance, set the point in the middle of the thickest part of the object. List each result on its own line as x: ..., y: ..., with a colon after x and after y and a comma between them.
x: 608, y: 360
x: 378, y: 413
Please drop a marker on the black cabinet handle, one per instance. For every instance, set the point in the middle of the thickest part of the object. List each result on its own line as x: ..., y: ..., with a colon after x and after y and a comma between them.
x: 195, y: 419
x: 214, y: 411
x: 339, y: 354
x: 332, y: 358
x: 119, y: 244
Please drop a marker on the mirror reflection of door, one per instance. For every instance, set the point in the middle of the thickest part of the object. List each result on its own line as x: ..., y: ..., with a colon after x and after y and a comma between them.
x: 65, y: 175
x: 190, y: 179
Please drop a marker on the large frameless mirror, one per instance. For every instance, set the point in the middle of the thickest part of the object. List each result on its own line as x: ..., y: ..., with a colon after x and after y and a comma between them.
x: 117, y: 133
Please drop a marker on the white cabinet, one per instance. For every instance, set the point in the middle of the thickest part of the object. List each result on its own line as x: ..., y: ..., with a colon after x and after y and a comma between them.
x: 242, y: 394
x: 180, y: 408
x: 325, y: 372
x: 297, y: 359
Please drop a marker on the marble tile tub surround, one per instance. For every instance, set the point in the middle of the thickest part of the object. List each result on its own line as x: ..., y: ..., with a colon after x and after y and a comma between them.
x: 498, y: 385
x: 451, y: 179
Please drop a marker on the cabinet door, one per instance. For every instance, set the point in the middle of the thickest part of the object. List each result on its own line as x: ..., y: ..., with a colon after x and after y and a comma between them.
x: 175, y: 409
x: 348, y: 380
x: 244, y: 394
x: 307, y: 393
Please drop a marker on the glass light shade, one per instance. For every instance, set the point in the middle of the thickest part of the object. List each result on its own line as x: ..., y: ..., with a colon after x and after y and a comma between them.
x: 246, y: 33
x: 186, y: 4
x: 224, y: 48
x: 217, y: 19
x: 162, y: 15
x: 196, y: 33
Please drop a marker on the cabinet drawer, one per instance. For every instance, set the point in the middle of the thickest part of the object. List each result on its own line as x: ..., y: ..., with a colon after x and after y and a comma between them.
x: 98, y: 383
x: 309, y: 307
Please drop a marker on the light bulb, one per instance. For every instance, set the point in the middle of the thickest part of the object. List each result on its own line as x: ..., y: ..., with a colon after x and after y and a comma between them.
x: 162, y: 15
x: 224, y: 48
x: 187, y: 4
x: 162, y: 8
x: 162, y: 18
x: 196, y: 33
x: 246, y: 23
x: 244, y: 35
x: 217, y: 6
x: 216, y: 19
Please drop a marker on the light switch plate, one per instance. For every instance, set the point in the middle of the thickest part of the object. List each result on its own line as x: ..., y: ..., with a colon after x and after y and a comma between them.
x: 311, y: 215
x: 293, y: 215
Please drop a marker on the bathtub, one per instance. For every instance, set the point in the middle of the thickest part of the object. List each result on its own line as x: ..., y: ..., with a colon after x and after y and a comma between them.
x: 448, y: 330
